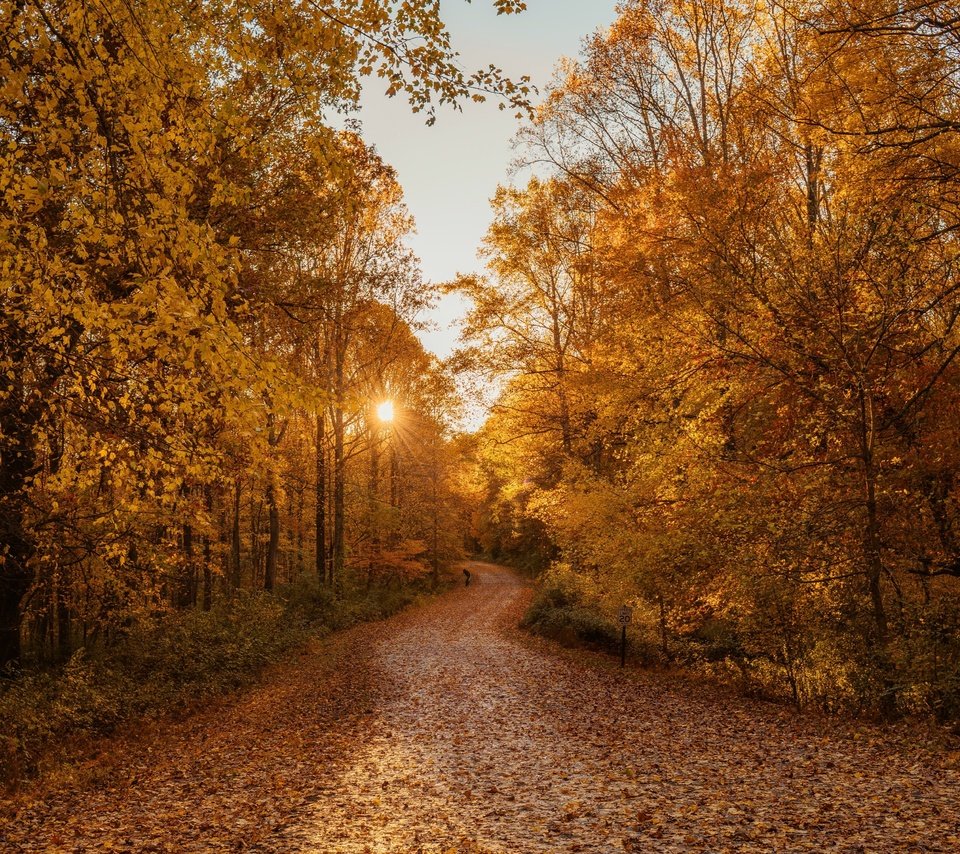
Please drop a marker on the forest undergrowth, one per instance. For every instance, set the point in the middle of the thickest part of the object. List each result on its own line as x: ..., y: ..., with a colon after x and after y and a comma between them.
x: 562, y: 611
x: 171, y: 665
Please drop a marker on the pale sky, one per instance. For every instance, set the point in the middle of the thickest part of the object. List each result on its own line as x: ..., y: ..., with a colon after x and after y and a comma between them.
x: 451, y: 170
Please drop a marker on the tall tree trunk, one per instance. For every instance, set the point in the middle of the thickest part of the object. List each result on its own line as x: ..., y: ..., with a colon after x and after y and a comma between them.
x: 339, y: 470
x: 40, y: 631
x: 394, y: 533
x: 339, y: 461
x: 321, y: 496
x: 300, y: 526
x: 207, y: 595
x: 64, y: 628
x: 813, y: 157
x: 435, y: 533
x: 873, y: 557
x: 337, y: 356
x: 256, y: 547
x: 273, y: 542
x: 235, y: 538
x: 292, y: 525
x: 223, y: 541
x: 273, y: 509
x: 560, y: 369
x: 664, y: 645
x: 207, y: 600
x: 373, y: 489
x: 394, y: 475
x: 186, y: 584
x: 16, y: 548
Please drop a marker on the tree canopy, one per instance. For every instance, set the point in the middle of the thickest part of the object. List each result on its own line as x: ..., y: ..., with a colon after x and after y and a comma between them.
x: 726, y: 320
x: 203, y: 287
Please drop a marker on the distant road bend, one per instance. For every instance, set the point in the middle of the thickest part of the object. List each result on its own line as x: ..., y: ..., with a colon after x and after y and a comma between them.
x: 445, y: 729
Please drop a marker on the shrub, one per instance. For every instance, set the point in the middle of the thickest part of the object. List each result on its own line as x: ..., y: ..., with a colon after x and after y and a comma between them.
x: 167, y: 661
x: 568, y: 609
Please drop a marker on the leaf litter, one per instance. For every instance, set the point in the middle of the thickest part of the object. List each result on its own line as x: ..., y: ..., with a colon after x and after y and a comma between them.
x: 444, y: 730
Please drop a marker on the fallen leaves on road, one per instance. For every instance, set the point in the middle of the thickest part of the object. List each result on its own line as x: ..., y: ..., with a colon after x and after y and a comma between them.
x: 442, y: 730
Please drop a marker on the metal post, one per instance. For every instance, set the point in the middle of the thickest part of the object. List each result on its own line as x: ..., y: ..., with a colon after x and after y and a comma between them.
x: 623, y: 646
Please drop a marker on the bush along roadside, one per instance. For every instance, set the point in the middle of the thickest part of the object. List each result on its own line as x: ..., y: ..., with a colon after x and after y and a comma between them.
x: 566, y: 609
x: 571, y: 608
x: 167, y: 663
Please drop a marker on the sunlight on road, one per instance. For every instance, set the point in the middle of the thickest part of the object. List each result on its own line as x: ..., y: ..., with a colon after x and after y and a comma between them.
x: 480, y: 743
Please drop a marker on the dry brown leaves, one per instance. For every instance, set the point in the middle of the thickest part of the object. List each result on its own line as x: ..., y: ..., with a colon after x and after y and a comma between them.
x: 442, y: 731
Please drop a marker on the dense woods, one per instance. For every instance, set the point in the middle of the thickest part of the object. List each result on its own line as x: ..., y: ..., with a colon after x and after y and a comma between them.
x: 725, y: 320
x: 206, y: 297
x: 717, y: 332
x: 720, y: 311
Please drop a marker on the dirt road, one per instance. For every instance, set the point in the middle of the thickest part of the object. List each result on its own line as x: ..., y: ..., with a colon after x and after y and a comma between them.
x: 444, y: 729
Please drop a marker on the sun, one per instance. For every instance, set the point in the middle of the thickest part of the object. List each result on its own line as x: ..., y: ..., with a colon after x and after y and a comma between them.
x: 385, y: 411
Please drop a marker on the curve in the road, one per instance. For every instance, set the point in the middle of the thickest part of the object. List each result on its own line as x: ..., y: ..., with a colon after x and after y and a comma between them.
x: 445, y: 729
x: 482, y: 742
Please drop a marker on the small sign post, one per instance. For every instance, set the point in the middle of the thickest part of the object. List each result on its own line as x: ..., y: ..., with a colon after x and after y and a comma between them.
x: 624, y: 616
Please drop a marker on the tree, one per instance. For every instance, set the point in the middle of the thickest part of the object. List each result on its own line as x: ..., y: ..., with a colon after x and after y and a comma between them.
x: 134, y: 144
x: 537, y: 319
x: 776, y: 339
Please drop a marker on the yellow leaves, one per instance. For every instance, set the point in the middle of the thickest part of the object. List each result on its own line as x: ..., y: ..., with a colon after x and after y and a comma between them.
x: 29, y: 195
x: 148, y: 153
x: 29, y: 185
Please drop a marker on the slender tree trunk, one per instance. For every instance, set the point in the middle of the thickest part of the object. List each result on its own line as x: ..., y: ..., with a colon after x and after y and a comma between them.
x: 873, y: 557
x: 435, y: 532
x: 273, y: 512
x: 339, y: 461
x: 560, y: 368
x: 321, y: 496
x: 235, y: 538
x: 223, y: 542
x: 374, y: 488
x: 207, y: 600
x: 338, y: 355
x: 207, y: 589
x: 39, y: 631
x: 186, y: 587
x: 300, y: 526
x: 394, y: 476
x: 394, y: 533
x: 256, y: 547
x: 291, y: 526
x: 336, y: 569
x: 64, y: 628
x: 664, y: 648
x: 273, y: 542
x: 16, y: 549
x: 813, y: 157
x: 435, y: 548
x: 871, y: 535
